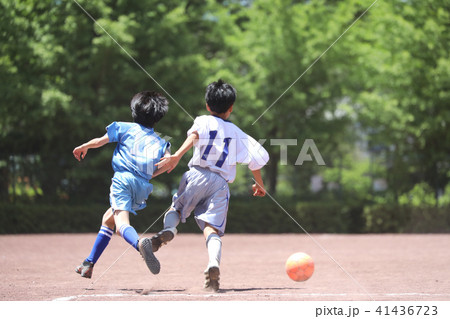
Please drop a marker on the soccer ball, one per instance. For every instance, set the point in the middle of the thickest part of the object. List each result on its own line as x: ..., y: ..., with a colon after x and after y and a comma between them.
x: 299, y: 267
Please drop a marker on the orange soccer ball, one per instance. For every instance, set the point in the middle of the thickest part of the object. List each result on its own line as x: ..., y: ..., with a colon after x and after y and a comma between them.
x: 299, y: 266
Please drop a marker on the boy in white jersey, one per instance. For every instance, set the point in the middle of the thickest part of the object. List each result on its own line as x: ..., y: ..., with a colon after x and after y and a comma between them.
x: 218, y: 146
x: 138, y: 149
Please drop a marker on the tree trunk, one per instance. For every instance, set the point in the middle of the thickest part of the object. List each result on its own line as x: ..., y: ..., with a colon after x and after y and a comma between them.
x: 272, y: 174
x: 4, y: 177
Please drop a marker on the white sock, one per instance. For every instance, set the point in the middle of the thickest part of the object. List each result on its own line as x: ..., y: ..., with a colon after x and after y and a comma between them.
x: 171, y: 221
x: 214, y: 246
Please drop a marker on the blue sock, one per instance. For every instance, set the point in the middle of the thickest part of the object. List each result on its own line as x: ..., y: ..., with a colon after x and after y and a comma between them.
x: 102, y: 240
x: 130, y: 235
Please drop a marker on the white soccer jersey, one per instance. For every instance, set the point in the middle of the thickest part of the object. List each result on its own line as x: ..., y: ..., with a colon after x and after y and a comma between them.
x: 222, y: 144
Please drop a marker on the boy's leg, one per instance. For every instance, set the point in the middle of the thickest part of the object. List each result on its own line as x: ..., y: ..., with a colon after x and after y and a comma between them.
x: 123, y: 227
x: 214, y: 246
x: 143, y: 245
x: 171, y: 221
x: 101, y: 242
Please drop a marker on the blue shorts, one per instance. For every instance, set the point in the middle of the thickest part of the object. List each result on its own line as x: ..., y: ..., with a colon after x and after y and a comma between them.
x: 206, y: 194
x: 129, y: 192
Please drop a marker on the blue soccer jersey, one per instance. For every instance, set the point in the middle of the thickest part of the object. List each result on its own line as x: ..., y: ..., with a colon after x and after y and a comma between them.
x: 138, y: 148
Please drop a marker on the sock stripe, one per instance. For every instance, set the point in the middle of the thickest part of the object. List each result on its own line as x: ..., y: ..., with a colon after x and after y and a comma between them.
x: 106, y: 231
x: 123, y: 228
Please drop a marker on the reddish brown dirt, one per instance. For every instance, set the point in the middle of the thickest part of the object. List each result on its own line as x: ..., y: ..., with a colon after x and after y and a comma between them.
x: 347, y: 267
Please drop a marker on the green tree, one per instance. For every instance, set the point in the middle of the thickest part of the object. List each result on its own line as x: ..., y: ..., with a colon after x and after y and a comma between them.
x: 400, y: 83
x: 280, y: 42
x: 64, y: 79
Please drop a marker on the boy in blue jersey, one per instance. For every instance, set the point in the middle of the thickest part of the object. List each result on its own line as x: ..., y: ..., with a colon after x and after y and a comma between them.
x: 218, y: 146
x: 138, y: 149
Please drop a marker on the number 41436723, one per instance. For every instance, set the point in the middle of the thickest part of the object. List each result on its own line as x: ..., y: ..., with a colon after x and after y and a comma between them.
x: 411, y: 310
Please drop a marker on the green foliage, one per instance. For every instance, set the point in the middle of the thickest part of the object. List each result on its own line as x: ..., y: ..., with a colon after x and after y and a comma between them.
x: 444, y: 200
x: 420, y: 196
x: 406, y: 219
x: 402, y: 104
x: 246, y: 215
x: 44, y: 218
x: 351, y: 179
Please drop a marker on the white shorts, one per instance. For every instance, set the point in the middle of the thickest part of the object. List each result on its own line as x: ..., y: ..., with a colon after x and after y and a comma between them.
x: 207, y: 194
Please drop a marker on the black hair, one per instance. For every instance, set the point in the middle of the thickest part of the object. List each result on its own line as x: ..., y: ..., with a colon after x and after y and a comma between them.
x: 220, y: 96
x: 148, y: 107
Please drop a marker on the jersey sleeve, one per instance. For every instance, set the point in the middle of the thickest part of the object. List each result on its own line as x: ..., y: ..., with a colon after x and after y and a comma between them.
x: 115, y: 130
x: 165, y: 148
x: 201, y: 127
x: 250, y: 152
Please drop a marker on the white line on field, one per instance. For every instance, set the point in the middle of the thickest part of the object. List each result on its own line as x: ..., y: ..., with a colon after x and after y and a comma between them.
x: 220, y: 295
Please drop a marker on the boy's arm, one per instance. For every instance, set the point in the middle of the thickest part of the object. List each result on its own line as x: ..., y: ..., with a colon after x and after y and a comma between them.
x: 81, y: 151
x: 160, y: 170
x: 258, y: 187
x: 172, y: 160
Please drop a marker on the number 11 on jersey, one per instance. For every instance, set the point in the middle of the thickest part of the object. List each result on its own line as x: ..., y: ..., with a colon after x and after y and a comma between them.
x: 223, y: 155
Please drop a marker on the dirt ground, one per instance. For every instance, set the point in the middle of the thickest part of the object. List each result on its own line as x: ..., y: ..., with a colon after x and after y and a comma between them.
x: 347, y: 268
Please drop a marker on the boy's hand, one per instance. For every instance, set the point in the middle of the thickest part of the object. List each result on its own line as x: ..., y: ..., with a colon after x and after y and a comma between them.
x: 171, y: 161
x: 258, y: 187
x: 258, y: 190
x: 80, y: 152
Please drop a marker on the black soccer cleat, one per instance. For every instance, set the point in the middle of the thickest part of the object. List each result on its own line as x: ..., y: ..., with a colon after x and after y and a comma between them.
x: 146, y: 251
x: 85, y: 269
x: 161, y: 238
